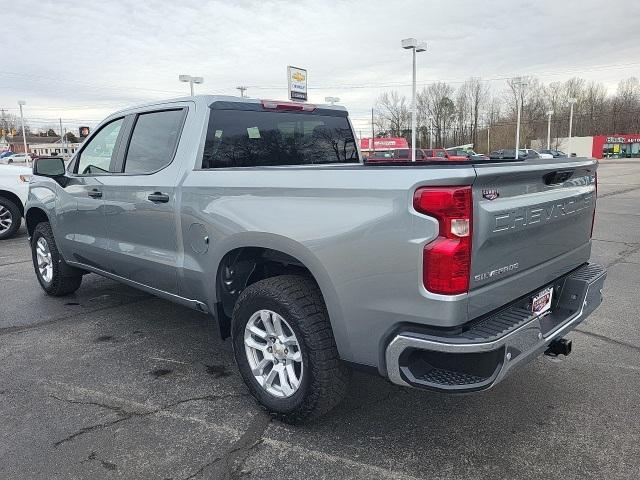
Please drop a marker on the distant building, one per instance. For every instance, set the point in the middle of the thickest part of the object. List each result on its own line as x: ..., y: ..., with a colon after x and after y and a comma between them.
x: 37, y: 145
x: 382, y: 144
x: 51, y: 149
x: 597, y: 146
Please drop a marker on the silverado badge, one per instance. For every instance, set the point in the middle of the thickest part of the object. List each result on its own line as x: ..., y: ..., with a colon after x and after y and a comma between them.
x: 490, y: 193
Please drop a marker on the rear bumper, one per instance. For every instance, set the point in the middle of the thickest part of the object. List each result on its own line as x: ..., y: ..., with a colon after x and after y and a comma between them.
x: 487, y: 350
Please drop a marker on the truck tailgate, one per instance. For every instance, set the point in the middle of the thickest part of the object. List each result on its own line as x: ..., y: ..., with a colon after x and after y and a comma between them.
x: 531, y: 223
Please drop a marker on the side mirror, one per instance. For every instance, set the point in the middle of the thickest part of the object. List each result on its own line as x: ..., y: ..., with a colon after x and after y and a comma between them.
x: 52, y: 167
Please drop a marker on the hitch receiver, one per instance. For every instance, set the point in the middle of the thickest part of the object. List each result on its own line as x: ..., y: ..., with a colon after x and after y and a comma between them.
x: 561, y: 346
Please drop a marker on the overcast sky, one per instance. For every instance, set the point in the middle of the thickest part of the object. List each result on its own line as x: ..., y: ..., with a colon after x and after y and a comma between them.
x: 81, y: 60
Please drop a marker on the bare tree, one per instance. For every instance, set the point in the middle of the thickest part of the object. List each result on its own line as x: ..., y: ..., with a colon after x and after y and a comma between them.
x: 436, y: 98
x: 393, y: 113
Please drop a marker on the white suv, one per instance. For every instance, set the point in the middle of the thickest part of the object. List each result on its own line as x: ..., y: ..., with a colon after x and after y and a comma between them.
x: 14, y: 187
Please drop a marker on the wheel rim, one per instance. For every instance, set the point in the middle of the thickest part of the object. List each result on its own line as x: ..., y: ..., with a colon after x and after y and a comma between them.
x: 273, y: 353
x: 45, y: 262
x: 6, y: 219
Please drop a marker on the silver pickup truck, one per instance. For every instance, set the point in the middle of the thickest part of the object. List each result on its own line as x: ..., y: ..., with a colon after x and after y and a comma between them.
x: 438, y: 275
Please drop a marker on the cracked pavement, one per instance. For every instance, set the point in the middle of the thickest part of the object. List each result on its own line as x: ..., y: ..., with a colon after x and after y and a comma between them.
x: 113, y: 383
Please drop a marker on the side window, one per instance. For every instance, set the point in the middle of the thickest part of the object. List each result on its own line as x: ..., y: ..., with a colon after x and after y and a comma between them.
x: 96, y: 155
x: 153, y: 142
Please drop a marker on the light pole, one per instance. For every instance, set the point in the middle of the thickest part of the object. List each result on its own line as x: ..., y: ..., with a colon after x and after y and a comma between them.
x: 431, y: 133
x: 412, y: 44
x: 549, y: 113
x: 331, y: 100
x: 242, y: 90
x: 191, y: 80
x: 24, y: 136
x: 518, y: 82
x: 572, y: 101
x: 488, y: 138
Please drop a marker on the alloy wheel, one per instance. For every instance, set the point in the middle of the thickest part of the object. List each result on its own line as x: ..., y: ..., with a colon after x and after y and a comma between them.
x: 273, y: 353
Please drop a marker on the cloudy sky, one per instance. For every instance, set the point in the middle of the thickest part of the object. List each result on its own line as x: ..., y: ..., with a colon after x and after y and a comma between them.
x: 81, y: 60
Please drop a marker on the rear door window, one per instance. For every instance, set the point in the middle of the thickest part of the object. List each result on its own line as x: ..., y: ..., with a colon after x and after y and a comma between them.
x: 249, y: 138
x: 153, y: 141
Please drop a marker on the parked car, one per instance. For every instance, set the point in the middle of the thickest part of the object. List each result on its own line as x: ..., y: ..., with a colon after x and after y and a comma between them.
x: 532, y: 154
x: 441, y: 153
x: 16, y: 158
x: 399, y: 155
x: 510, y: 154
x: 6, y: 153
x: 554, y: 153
x: 469, y: 154
x: 261, y: 214
x: 14, y: 186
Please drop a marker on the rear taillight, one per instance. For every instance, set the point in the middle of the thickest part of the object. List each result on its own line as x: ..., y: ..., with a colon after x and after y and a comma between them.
x: 595, y: 200
x: 447, y: 259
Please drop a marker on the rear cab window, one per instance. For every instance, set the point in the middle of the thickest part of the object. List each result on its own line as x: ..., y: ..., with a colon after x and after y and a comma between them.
x: 257, y: 137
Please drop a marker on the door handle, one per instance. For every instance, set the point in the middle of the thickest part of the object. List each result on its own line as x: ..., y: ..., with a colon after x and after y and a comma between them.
x: 95, y: 193
x: 159, y: 197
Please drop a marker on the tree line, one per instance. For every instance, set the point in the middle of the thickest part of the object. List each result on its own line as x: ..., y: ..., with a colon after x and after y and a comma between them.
x: 449, y: 116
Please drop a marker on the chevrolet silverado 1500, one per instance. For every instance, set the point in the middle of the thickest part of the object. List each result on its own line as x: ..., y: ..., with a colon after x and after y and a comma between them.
x: 444, y: 275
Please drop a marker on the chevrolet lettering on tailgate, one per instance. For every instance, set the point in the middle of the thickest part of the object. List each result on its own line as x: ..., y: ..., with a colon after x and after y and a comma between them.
x: 523, y: 217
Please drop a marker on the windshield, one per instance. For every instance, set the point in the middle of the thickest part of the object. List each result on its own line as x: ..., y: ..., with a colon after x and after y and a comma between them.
x: 247, y: 138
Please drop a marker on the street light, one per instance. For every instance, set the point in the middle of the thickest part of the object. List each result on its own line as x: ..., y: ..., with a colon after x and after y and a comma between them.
x: 24, y: 136
x: 572, y: 101
x: 412, y: 44
x: 549, y: 113
x: 519, y: 83
x: 191, y: 80
x: 331, y: 100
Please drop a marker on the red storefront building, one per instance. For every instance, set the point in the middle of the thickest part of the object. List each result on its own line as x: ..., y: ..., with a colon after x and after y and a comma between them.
x: 382, y: 144
x: 616, y: 146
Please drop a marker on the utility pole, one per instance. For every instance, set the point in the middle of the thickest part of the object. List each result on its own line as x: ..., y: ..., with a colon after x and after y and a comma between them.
x: 549, y: 113
x: 431, y: 133
x: 519, y: 83
x: 372, y: 146
x: 488, y: 138
x: 572, y: 101
x: 24, y: 136
x: 61, y: 137
x: 242, y: 90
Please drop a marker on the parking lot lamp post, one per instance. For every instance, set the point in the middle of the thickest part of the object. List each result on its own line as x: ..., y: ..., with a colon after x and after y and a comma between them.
x: 518, y: 82
x: 549, y: 113
x: 572, y: 101
x: 24, y: 136
x: 431, y: 133
x: 191, y: 80
x: 412, y: 44
x: 331, y: 100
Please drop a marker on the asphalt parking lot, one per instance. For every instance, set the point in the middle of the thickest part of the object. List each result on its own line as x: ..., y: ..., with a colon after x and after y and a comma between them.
x: 113, y: 383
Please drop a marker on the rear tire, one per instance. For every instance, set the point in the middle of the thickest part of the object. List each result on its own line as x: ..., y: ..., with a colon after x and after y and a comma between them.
x: 10, y: 218
x: 320, y: 379
x: 48, y: 263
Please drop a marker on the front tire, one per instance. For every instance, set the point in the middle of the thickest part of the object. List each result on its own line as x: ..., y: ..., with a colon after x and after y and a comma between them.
x: 47, y: 263
x: 285, y: 349
x: 10, y: 218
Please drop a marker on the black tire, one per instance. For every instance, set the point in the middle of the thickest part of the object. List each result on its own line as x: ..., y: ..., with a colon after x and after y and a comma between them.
x: 16, y: 218
x: 325, y: 380
x: 59, y: 284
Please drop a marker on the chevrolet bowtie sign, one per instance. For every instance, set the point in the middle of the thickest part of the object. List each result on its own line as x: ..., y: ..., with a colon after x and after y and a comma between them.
x: 297, y: 79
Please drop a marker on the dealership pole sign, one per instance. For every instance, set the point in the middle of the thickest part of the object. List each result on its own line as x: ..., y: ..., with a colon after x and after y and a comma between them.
x: 297, y: 79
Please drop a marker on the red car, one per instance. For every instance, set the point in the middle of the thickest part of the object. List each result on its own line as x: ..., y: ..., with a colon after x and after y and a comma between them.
x: 441, y: 153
